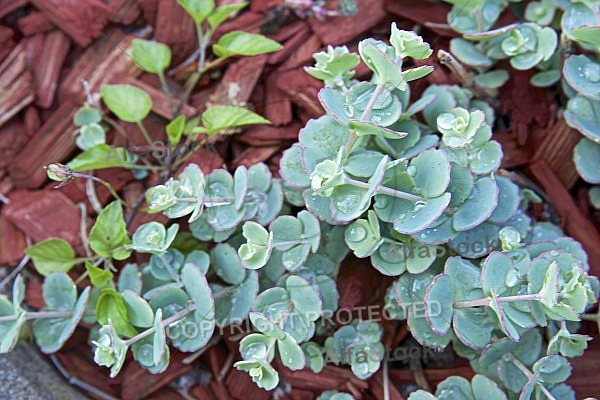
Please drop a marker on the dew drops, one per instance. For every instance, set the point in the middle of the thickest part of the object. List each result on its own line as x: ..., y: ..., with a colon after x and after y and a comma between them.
x: 591, y: 72
x: 419, y: 205
x: 357, y: 233
x: 348, y: 204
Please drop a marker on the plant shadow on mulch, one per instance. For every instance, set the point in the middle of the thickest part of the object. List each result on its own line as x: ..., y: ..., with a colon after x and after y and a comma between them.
x: 48, y: 48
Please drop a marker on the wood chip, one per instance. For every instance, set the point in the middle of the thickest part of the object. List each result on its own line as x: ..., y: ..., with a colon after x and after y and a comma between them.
x: 514, y: 155
x: 100, y: 62
x: 238, y: 82
x: 16, y: 85
x: 34, y: 22
x: 290, y: 46
x: 12, y: 244
x: 303, y: 54
x: 12, y: 141
x: 53, y: 142
x: 557, y: 150
x: 278, y: 105
x: 241, y: 387
x: 124, y: 11
x: 36, y: 213
x: 434, y: 12
x: 524, y: 103
x: 376, y: 387
x: 140, y: 383
x: 81, y: 22
x: 46, y: 74
x: 8, y: 6
x: 7, y: 43
x: 175, y: 28
x: 254, y: 155
x: 302, y: 90
x: 330, y: 31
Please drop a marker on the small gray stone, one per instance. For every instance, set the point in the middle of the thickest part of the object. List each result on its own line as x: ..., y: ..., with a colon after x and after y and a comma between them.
x: 26, y: 375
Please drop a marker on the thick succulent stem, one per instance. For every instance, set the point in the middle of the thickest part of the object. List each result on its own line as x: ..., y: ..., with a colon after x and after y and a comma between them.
x: 353, y: 136
x: 487, y: 300
x: 166, y: 322
x: 385, y: 190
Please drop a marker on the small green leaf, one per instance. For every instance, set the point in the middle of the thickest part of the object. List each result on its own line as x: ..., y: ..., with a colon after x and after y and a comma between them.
x: 227, y: 264
x: 219, y: 118
x: 304, y: 297
x: 478, y: 207
x: 159, y: 341
x: 175, y: 129
x: 485, y: 388
x: 256, y: 346
x: 127, y: 102
x: 583, y: 75
x: 152, y: 237
x: 263, y: 324
x: 493, y: 79
x: 102, y: 156
x: 244, y: 44
x: 129, y: 278
x: 469, y: 54
x: 52, y: 333
x: 87, y: 115
x: 89, y: 136
x: 438, y: 303
x: 108, y: 237
x: 291, y: 354
x: 9, y: 330
x: 197, y: 288
x: 421, y: 395
x: 138, y: 310
x: 587, y: 154
x: 223, y: 12
x: 153, y: 57
x: 111, y: 306
x: 314, y: 356
x: 60, y: 293
x: 52, y: 254
x: 198, y: 9
x: 261, y: 372
x: 545, y: 78
x: 255, y: 253
x: 98, y: 276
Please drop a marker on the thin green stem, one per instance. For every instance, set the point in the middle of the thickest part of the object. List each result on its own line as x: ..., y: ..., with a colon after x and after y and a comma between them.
x: 164, y: 323
x: 106, y: 184
x: 385, y: 190
x: 145, y: 133
x: 165, y: 88
x: 529, y: 375
x: 487, y: 300
x: 376, y: 93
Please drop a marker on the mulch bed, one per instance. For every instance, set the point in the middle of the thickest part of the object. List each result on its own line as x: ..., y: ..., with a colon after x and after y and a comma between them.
x: 47, y: 49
